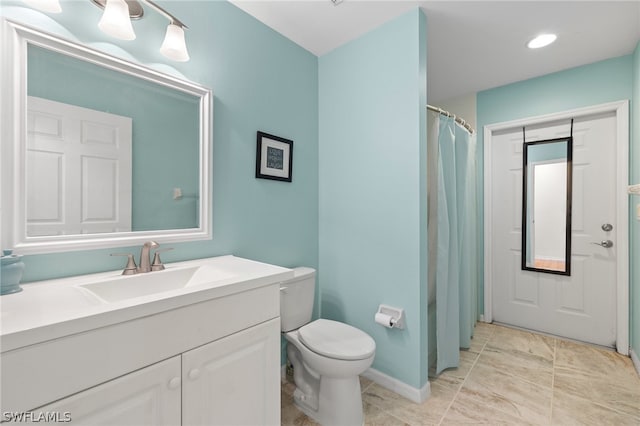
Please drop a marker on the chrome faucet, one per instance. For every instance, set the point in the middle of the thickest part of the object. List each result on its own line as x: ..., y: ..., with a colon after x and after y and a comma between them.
x: 145, y: 256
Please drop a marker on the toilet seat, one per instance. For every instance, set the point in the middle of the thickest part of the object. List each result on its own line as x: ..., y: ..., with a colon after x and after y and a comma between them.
x: 336, y: 340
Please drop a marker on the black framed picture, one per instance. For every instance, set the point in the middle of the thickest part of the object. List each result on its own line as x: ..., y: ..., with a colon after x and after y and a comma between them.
x: 274, y: 157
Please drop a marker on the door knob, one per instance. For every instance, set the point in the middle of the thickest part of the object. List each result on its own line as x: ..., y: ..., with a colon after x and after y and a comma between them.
x: 605, y: 243
x: 606, y: 227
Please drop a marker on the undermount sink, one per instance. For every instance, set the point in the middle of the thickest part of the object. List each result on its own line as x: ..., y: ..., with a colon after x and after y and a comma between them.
x: 146, y: 284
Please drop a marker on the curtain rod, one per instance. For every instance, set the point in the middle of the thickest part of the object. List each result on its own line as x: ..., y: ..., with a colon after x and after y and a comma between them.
x: 458, y: 120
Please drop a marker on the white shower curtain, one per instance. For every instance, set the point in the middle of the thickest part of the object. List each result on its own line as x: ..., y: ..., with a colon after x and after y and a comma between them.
x: 456, y: 258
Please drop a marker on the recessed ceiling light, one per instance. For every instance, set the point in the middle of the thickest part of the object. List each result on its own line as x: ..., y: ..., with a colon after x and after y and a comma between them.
x: 541, y: 41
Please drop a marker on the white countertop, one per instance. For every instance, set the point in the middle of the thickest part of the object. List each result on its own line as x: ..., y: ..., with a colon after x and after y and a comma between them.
x: 52, y: 309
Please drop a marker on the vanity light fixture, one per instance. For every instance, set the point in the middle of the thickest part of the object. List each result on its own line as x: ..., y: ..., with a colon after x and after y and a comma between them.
x: 174, y: 45
x: 51, y: 6
x: 541, y: 40
x: 115, y: 20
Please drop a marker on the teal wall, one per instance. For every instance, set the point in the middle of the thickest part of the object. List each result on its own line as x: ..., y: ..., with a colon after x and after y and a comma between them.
x: 372, y: 189
x: 165, y: 132
x: 260, y: 81
x: 600, y: 82
x: 634, y: 177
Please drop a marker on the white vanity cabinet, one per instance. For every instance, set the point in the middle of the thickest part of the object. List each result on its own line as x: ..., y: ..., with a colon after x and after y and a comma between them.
x: 231, y: 381
x: 205, y: 357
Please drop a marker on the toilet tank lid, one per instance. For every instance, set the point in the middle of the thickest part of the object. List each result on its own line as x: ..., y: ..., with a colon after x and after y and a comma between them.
x: 302, y: 272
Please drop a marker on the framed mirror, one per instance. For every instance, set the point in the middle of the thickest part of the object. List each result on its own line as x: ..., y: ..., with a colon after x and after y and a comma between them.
x: 546, y: 206
x: 97, y: 151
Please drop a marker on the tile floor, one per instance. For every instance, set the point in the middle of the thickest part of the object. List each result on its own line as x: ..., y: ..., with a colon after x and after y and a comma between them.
x: 510, y: 377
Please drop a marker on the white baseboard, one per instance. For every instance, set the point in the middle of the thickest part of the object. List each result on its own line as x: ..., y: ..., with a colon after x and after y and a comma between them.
x: 413, y: 394
x: 636, y: 360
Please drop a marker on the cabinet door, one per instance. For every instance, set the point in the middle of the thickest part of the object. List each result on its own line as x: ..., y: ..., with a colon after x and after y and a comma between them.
x: 150, y: 396
x: 234, y: 380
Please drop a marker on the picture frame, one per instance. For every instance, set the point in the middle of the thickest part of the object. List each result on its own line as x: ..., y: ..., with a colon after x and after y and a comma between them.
x: 274, y: 157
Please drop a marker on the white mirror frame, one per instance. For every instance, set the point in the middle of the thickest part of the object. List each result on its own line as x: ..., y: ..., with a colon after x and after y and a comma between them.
x: 13, y: 107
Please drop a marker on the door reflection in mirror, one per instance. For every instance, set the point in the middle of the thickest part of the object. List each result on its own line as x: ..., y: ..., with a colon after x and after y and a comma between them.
x: 546, y: 206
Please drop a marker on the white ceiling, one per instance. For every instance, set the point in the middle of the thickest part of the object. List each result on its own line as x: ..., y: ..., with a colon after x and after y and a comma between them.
x: 472, y: 45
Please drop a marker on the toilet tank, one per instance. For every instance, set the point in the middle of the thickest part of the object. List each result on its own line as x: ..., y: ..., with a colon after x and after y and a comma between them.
x: 296, y: 299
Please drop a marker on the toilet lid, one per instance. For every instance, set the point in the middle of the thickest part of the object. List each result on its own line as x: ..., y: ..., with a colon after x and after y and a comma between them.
x: 336, y: 340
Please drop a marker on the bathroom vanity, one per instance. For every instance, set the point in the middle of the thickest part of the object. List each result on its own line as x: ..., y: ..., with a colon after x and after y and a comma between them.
x: 197, y: 343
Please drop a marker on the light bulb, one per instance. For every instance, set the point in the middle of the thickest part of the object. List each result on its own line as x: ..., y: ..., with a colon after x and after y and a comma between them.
x: 174, y: 46
x: 115, y: 20
x: 541, y: 41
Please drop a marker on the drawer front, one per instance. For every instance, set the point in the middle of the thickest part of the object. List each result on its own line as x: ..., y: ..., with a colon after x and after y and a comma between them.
x: 37, y: 375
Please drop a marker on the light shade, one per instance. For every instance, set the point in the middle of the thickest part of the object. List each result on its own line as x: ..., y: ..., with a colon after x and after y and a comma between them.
x: 51, y: 6
x: 541, y: 41
x: 174, y: 46
x: 115, y: 20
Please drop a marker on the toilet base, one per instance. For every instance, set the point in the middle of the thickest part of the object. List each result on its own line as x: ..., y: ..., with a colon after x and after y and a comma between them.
x: 342, y: 397
x: 327, y: 389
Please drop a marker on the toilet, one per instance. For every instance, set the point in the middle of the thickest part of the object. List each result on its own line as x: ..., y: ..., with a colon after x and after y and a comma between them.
x: 327, y: 356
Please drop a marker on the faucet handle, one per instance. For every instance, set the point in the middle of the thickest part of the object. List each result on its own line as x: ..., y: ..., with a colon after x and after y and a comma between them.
x: 131, y: 267
x: 157, y: 264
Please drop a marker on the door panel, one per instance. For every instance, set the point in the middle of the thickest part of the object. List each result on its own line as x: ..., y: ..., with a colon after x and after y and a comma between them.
x: 580, y: 306
x: 79, y: 170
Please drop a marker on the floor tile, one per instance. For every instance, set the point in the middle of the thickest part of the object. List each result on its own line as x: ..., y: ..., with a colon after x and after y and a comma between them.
x: 382, y: 397
x: 524, y: 365
x: 513, y: 340
x: 609, y: 391
x: 477, y: 344
x: 374, y: 416
x: 569, y: 410
x: 443, y: 390
x: 498, y: 389
x: 467, y: 359
x: 509, y: 377
x: 364, y: 383
x: 290, y: 415
x: 483, y: 331
x: 591, y: 358
x: 466, y: 410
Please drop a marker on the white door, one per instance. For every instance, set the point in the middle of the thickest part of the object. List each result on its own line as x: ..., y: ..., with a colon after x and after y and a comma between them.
x: 234, y: 380
x: 78, y: 170
x: 147, y: 397
x: 581, y: 306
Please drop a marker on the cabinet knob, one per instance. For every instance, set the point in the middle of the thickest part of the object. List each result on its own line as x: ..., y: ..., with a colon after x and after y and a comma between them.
x: 174, y: 383
x: 194, y: 374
